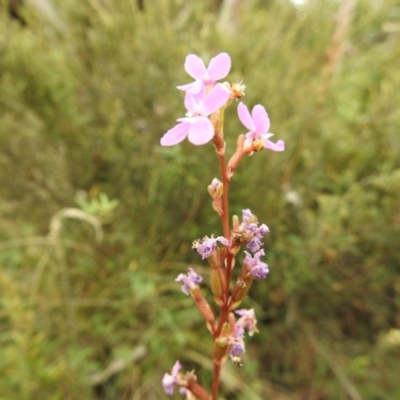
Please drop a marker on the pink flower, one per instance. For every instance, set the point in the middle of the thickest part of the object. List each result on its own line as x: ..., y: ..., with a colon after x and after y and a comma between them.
x: 218, y: 68
x: 170, y: 381
x: 258, y: 125
x: 196, y: 124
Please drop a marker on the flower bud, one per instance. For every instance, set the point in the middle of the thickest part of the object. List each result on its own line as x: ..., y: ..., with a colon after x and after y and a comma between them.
x: 218, y: 138
x: 216, y: 188
x: 238, y: 90
x: 241, y: 287
x: 218, y: 276
x: 221, y: 343
x: 252, y: 145
x: 235, y: 223
x: 202, y: 305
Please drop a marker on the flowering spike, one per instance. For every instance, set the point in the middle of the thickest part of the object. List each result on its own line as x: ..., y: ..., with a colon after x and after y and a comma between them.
x: 205, y: 101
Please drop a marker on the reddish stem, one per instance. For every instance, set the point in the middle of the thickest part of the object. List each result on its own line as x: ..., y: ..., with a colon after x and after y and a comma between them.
x: 224, y: 311
x: 215, y: 384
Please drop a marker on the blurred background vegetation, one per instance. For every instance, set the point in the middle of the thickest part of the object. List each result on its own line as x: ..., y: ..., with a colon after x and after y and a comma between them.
x: 97, y: 220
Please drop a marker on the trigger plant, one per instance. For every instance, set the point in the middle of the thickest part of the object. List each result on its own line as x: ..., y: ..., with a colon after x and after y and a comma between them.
x: 235, y: 257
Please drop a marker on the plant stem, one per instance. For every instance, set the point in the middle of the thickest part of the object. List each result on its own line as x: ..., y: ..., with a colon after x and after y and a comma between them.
x: 225, y: 204
x: 224, y: 311
x: 215, y: 384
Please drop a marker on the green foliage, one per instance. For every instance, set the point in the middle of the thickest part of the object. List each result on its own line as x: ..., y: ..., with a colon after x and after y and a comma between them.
x: 85, y: 97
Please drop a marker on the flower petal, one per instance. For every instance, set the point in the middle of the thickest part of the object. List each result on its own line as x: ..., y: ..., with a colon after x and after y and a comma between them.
x: 194, y: 100
x: 219, y: 66
x: 195, y: 67
x: 278, y: 146
x: 190, y: 103
x: 168, y: 382
x: 216, y: 98
x: 194, y: 87
x: 260, y: 119
x: 176, y: 368
x: 176, y: 134
x: 245, y: 117
x: 185, y: 87
x: 201, y: 131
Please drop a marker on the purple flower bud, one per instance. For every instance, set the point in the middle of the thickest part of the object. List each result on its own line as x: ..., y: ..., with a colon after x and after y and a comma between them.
x: 237, y: 342
x: 259, y: 269
x: 254, y: 244
x: 169, y: 381
x: 190, y: 280
x: 263, y: 230
x: 247, y: 216
x: 247, y: 320
x: 236, y: 350
x: 250, y: 230
x: 208, y: 245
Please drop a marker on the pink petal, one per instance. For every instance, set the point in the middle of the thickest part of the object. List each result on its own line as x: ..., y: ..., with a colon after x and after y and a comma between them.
x: 219, y: 66
x: 194, y: 87
x: 185, y: 87
x: 245, y: 117
x: 194, y: 100
x: 195, y: 67
x: 216, y: 98
x: 278, y: 146
x: 176, y: 134
x: 191, y: 103
x: 176, y: 368
x: 260, y: 118
x: 201, y: 131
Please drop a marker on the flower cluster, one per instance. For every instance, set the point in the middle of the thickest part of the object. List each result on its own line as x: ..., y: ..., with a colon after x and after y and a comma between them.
x: 251, y: 232
x: 205, y: 97
x: 205, y: 102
